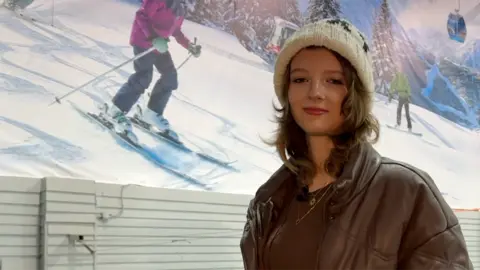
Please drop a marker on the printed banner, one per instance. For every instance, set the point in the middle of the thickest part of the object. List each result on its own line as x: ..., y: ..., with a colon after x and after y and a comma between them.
x: 68, y: 68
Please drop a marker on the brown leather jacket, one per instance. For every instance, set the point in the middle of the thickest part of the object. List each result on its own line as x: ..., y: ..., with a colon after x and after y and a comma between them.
x: 382, y: 214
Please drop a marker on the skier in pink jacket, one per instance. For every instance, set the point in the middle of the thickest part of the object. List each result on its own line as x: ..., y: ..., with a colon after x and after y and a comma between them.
x: 154, y: 23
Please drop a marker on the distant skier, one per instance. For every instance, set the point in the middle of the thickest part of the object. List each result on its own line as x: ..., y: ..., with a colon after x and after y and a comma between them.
x: 401, y: 86
x: 154, y: 23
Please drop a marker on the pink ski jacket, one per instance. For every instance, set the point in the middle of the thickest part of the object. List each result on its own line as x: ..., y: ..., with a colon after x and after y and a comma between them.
x: 154, y: 19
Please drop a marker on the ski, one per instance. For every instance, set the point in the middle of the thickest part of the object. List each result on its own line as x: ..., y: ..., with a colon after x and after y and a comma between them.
x: 173, y: 139
x: 406, y: 131
x: 104, y: 123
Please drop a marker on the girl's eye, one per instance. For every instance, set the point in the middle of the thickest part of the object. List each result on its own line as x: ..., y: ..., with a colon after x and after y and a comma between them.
x: 299, y: 80
x: 335, y: 81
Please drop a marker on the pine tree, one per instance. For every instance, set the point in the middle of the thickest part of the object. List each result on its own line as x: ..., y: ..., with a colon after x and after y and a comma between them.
x: 213, y: 13
x: 244, y: 19
x: 292, y: 12
x: 253, y: 23
x: 322, y: 9
x: 383, y: 49
x: 200, y: 13
x: 220, y: 12
x: 376, y: 51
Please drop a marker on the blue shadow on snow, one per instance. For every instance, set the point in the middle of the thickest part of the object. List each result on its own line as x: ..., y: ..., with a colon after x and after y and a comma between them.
x: 52, y: 146
x: 15, y: 85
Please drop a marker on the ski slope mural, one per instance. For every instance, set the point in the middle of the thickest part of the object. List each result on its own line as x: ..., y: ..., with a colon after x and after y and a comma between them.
x: 222, y: 109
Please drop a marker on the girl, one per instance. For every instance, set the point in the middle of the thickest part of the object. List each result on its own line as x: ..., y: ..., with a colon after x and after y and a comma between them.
x: 337, y: 203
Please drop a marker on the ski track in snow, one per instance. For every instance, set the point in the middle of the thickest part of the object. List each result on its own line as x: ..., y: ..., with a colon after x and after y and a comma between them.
x: 222, y: 108
x: 433, y: 130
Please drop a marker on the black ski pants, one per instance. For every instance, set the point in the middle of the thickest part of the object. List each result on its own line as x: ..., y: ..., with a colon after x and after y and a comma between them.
x: 404, y: 102
x: 140, y: 80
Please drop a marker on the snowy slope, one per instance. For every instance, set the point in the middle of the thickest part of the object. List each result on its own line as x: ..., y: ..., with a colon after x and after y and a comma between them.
x: 222, y: 107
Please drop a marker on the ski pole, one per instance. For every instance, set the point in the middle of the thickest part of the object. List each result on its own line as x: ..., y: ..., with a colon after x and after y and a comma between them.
x: 189, y: 55
x: 53, y: 12
x: 184, y: 61
x: 58, y: 99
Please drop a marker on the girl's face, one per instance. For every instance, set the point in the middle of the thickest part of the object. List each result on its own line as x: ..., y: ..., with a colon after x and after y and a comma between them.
x: 317, y: 88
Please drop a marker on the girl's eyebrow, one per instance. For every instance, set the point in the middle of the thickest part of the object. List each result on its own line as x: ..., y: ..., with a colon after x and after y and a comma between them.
x: 328, y: 71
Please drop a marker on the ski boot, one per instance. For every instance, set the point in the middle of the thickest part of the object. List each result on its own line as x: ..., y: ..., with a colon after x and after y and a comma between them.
x: 157, y: 123
x: 119, y: 120
x: 156, y: 120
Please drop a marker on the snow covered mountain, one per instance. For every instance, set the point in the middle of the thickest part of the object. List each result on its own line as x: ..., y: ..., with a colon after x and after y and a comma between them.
x: 469, y: 54
x: 222, y: 108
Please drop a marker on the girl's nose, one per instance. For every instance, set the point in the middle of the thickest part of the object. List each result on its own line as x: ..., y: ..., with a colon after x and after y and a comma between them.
x: 317, y: 89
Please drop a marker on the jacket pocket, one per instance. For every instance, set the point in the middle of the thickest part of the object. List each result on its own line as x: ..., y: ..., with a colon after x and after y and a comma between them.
x: 343, y: 250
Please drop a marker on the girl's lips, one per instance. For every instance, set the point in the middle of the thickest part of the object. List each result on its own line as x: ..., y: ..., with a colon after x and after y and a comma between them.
x: 315, y: 111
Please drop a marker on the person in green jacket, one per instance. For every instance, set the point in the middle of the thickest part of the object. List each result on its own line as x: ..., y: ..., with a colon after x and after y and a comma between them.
x: 401, y: 86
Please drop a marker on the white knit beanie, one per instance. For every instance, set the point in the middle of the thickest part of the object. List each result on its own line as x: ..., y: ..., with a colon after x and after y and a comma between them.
x: 338, y: 35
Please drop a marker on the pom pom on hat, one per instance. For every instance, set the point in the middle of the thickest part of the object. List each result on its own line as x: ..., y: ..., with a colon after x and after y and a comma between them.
x: 338, y: 35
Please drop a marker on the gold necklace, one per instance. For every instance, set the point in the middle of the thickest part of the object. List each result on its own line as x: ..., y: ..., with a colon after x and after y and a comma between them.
x: 313, y: 200
x: 299, y: 219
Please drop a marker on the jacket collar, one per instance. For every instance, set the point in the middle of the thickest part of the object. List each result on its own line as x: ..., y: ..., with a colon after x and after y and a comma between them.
x: 362, y: 165
x: 357, y: 174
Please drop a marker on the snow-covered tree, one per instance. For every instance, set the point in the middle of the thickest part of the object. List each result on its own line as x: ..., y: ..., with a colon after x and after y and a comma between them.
x: 221, y: 11
x: 213, y: 13
x: 323, y: 9
x: 254, y: 22
x: 291, y: 12
x: 251, y: 21
x: 199, y: 12
x: 383, y: 48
